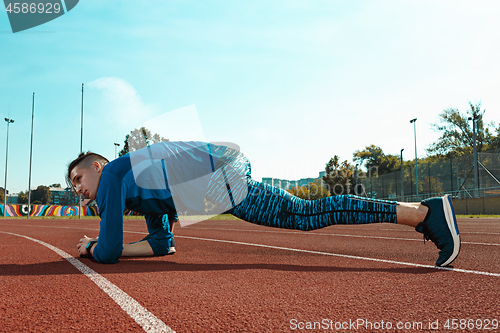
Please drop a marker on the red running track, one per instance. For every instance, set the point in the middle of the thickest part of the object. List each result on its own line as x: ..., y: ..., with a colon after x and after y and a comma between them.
x: 232, y: 276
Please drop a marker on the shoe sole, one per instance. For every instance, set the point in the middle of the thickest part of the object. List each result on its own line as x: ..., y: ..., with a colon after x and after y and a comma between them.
x: 451, y: 221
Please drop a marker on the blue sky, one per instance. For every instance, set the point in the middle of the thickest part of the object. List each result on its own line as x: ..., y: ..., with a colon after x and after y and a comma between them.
x: 291, y: 82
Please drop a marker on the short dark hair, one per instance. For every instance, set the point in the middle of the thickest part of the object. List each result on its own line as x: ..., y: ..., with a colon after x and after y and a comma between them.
x: 85, y: 160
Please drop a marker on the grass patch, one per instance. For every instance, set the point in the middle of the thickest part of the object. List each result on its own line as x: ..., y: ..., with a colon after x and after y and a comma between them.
x: 192, y: 217
x: 478, y: 216
x: 133, y: 217
x: 50, y: 217
x: 202, y: 217
x: 228, y: 217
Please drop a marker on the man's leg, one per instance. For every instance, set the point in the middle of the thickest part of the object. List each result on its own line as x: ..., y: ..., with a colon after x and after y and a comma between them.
x: 160, y: 240
x: 274, y: 207
x: 232, y: 189
x: 411, y: 214
x: 172, y: 219
x: 137, y: 249
x: 267, y: 205
x: 434, y: 218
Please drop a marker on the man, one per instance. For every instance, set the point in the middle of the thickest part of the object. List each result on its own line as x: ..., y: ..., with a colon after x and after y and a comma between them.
x: 167, y: 177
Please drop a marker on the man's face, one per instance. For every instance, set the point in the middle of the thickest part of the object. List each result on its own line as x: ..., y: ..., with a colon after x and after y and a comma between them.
x: 86, y: 181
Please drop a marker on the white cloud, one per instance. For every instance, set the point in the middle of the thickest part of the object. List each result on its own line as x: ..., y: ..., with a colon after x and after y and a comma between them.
x: 117, y: 109
x: 120, y: 104
x: 178, y: 125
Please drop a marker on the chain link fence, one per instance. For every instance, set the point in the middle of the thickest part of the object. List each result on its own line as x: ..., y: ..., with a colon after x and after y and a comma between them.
x: 452, y: 176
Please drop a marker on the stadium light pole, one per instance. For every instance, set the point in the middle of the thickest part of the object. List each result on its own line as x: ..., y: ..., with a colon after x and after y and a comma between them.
x: 356, y: 177
x: 116, y: 145
x: 416, y: 161
x: 81, y: 126
x: 474, y: 146
x: 402, y: 179
x: 31, y: 155
x: 81, y: 151
x: 9, y: 121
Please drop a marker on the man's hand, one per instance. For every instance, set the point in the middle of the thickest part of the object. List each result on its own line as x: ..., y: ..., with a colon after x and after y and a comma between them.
x: 83, y: 245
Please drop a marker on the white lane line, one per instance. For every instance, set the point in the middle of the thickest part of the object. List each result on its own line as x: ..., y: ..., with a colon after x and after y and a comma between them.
x: 309, y: 251
x: 347, y: 256
x: 411, y: 230
x: 148, y: 321
x: 366, y: 227
x: 482, y: 233
x: 275, y: 232
x: 322, y: 234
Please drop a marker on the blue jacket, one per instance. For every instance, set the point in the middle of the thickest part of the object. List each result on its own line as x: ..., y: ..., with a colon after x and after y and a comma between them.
x: 159, y: 179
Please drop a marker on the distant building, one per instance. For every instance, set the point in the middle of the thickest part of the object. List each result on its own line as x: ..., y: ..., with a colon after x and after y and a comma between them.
x: 288, y: 184
x: 11, y: 199
x: 58, y: 196
x: 63, y: 196
x: 281, y: 183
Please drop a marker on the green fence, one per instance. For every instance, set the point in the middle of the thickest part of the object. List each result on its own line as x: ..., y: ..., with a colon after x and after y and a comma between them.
x: 452, y: 176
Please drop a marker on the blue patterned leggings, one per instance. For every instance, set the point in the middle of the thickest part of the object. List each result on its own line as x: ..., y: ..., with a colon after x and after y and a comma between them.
x: 267, y: 205
x: 274, y: 207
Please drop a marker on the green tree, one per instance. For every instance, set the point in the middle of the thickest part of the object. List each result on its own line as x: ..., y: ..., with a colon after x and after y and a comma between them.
x: 312, y: 191
x: 495, y: 142
x: 340, y: 177
x: 456, y: 132
x: 40, y: 196
x: 375, y: 161
x: 2, y: 195
x: 316, y: 191
x: 22, y: 197
x: 139, y: 138
x: 56, y: 185
x: 300, y: 191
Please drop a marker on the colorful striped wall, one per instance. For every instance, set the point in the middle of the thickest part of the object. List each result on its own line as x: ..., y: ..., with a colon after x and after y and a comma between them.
x: 47, y: 210
x: 53, y: 210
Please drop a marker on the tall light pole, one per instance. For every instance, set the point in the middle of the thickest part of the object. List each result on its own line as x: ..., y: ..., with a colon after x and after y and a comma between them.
x: 416, y: 160
x: 31, y: 155
x: 81, y: 151
x: 9, y: 121
x: 81, y: 127
x: 402, y: 179
x: 476, y: 176
x: 356, y: 179
x: 116, y: 145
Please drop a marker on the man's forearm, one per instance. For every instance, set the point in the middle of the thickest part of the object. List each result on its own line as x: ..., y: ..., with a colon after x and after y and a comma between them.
x: 140, y: 249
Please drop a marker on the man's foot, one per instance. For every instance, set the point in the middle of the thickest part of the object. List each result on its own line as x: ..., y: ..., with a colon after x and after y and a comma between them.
x: 171, y: 250
x: 440, y: 226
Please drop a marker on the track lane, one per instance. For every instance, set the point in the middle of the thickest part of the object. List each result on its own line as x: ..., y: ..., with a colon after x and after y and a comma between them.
x: 142, y: 316
x: 41, y: 292
x: 209, y: 286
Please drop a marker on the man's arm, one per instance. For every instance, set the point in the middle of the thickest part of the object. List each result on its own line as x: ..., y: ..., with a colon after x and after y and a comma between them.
x: 139, y: 249
x: 82, y: 246
x: 110, y: 199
